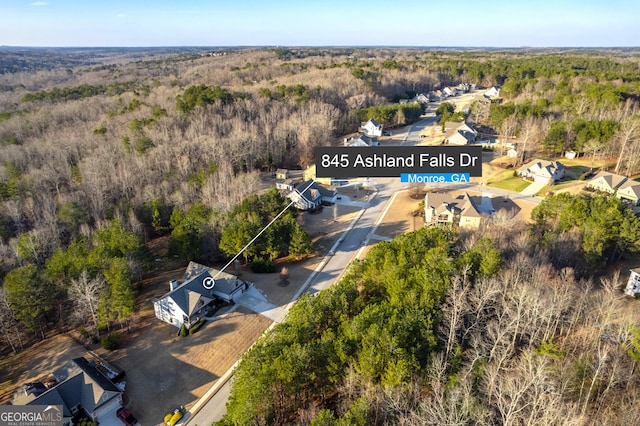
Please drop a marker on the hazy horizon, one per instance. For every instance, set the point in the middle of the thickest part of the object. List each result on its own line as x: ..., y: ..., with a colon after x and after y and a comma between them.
x: 252, y: 23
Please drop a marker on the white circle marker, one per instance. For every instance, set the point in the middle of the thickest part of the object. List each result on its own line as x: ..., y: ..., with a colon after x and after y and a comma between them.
x: 208, y: 283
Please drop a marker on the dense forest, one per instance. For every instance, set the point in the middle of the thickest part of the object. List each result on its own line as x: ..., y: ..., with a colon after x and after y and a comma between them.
x: 101, y: 152
x: 440, y: 327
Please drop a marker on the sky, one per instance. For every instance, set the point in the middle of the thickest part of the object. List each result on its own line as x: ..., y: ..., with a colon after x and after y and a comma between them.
x: 458, y: 23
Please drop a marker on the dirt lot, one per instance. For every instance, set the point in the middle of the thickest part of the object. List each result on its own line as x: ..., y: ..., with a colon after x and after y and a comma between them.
x: 165, y: 371
x: 36, y: 363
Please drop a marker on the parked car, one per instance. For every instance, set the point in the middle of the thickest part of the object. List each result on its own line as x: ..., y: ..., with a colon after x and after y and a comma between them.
x: 126, y: 417
x: 174, y: 417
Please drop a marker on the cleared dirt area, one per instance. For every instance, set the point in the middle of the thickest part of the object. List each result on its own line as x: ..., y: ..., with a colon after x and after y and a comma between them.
x: 400, y: 218
x: 37, y: 363
x: 165, y: 370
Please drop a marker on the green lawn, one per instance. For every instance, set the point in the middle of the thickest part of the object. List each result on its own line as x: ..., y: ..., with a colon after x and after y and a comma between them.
x: 506, y: 180
x: 576, y: 173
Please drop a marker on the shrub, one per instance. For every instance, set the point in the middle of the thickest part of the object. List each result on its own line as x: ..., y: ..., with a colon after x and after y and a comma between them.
x: 83, y: 332
x: 260, y: 265
x: 183, y: 331
x: 110, y: 341
x: 197, y: 326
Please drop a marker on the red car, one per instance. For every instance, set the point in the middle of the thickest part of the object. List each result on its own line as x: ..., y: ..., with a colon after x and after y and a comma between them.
x: 126, y: 417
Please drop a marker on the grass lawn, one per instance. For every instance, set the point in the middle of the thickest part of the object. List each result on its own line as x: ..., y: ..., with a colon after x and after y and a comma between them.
x: 576, y: 173
x: 506, y: 180
x: 562, y: 185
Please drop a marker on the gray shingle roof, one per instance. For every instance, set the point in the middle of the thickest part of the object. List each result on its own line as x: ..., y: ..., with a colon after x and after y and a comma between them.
x: 80, y: 382
x: 612, y: 180
x: 225, y: 284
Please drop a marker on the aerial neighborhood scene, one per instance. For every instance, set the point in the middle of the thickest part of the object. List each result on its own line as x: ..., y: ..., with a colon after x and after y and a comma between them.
x: 173, y: 250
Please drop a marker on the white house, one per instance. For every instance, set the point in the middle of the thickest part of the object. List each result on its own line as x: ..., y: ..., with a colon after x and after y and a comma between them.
x: 187, y: 302
x: 286, y: 184
x: 421, y: 98
x: 606, y: 182
x: 630, y: 190
x: 463, y: 88
x: 633, y: 286
x: 542, y: 171
x: 443, y: 209
x: 310, y: 195
x: 493, y: 92
x: 436, y: 96
x: 362, y: 141
x: 371, y: 128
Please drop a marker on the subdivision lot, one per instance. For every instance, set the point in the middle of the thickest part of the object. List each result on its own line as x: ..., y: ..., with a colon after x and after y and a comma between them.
x: 165, y: 371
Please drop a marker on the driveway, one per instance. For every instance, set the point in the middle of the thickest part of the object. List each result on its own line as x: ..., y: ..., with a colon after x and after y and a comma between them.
x: 256, y: 301
x: 533, y: 189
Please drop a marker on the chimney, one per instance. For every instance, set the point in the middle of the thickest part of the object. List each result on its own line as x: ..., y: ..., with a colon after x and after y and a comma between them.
x: 173, y: 284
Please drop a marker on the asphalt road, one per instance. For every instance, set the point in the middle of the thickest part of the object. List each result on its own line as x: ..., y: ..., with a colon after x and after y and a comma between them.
x: 214, y: 409
x: 350, y: 244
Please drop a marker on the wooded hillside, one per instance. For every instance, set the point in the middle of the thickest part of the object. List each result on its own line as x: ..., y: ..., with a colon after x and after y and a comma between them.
x: 440, y: 328
x: 100, y: 154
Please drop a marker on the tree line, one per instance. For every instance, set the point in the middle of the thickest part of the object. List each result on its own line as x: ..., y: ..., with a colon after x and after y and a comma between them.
x: 437, y: 327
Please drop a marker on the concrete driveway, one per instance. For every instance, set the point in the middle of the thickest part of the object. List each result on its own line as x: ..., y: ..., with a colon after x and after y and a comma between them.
x: 533, y: 189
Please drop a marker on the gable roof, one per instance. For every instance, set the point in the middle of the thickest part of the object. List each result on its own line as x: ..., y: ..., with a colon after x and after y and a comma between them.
x: 631, y: 188
x: 459, y: 138
x: 541, y: 167
x: 359, y: 143
x: 365, y: 140
x: 441, y: 203
x: 314, y: 187
x: 371, y: 123
x: 469, y: 208
x: 446, y: 203
x: 609, y: 179
x: 194, y: 276
x: 460, y: 132
x: 80, y: 383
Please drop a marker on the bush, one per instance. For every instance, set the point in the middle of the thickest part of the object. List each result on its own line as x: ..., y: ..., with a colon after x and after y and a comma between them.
x: 110, y: 341
x: 183, y: 331
x: 197, y: 326
x: 83, y: 332
x: 260, y: 265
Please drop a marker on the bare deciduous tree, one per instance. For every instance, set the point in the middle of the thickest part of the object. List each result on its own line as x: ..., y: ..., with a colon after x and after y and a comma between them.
x: 8, y: 323
x: 85, y: 294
